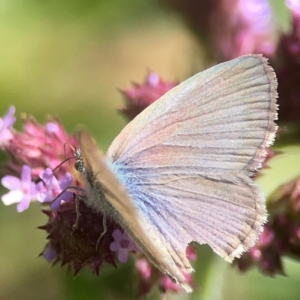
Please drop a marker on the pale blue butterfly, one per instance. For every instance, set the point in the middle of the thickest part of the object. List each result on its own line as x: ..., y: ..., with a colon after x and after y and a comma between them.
x: 181, y: 170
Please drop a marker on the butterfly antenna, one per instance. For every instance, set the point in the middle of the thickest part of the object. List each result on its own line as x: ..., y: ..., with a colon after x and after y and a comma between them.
x: 71, y: 157
x: 68, y: 144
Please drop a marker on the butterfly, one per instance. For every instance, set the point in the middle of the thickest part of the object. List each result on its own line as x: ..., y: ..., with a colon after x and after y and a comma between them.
x: 181, y: 170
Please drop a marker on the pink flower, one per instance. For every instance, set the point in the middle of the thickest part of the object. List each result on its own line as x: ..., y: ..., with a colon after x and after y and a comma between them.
x: 22, y: 191
x: 122, y: 244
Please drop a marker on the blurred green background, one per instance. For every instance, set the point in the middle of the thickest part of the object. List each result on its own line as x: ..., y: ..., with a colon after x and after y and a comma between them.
x: 66, y: 58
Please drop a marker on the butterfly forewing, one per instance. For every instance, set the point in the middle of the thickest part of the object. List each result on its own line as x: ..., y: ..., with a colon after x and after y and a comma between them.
x: 187, y: 159
x: 116, y: 203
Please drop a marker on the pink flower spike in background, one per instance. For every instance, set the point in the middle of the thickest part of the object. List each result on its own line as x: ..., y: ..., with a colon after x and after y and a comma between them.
x: 165, y: 284
x: 5, y: 126
x: 122, y: 244
x: 53, y: 188
x: 22, y: 191
x: 144, y: 268
x: 141, y: 95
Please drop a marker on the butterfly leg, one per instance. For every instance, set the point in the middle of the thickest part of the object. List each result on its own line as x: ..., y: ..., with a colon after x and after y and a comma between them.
x: 103, y: 232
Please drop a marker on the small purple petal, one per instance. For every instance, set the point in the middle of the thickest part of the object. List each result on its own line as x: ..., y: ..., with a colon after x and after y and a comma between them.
x: 32, y: 189
x: 133, y: 247
x: 123, y: 256
x: 48, y: 196
x: 24, y: 203
x: 12, y: 197
x: 49, y: 253
x: 48, y: 177
x: 64, y: 196
x: 153, y: 79
x: 52, y: 127
x: 40, y: 191
x: 114, y: 246
x: 55, y: 204
x: 65, y: 181
x: 53, y: 188
x: 5, y: 126
x: 9, y: 119
x: 122, y: 244
x: 11, y: 182
x: 117, y: 235
x: 26, y: 175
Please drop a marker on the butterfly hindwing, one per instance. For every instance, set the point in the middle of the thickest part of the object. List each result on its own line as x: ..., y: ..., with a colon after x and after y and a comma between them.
x: 187, y: 159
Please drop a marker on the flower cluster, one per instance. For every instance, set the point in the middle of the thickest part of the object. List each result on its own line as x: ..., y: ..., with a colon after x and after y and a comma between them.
x: 35, y: 172
x: 33, y: 153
